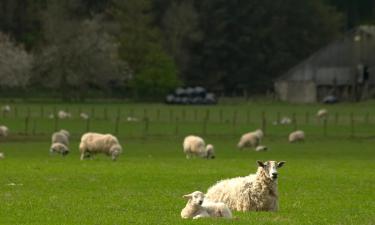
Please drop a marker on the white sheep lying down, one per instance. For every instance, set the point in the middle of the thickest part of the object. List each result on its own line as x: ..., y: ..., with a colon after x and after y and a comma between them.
x: 195, y: 146
x: 255, y: 192
x: 92, y: 143
x: 198, y: 207
x: 296, y: 136
x: 4, y: 131
x: 251, y: 139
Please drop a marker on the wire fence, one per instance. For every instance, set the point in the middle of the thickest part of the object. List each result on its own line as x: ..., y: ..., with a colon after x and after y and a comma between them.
x: 169, y: 121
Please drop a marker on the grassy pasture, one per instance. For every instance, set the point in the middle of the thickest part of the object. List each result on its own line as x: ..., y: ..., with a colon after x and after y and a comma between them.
x: 329, y: 179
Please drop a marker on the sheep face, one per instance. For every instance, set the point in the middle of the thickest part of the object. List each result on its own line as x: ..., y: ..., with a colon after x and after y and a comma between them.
x: 195, y: 198
x: 270, y: 168
x: 210, y: 151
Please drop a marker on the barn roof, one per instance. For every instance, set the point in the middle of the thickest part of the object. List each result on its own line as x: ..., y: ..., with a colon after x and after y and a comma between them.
x: 323, y: 57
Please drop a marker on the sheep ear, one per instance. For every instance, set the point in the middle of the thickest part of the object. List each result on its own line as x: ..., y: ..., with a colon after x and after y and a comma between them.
x: 280, y: 164
x: 260, y: 163
x: 187, y: 196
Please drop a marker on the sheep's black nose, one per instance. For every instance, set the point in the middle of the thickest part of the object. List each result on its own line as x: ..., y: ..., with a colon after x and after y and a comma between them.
x: 274, y: 175
x: 200, y: 202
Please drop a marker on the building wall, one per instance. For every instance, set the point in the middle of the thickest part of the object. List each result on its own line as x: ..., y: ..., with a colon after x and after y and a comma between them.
x: 296, y: 91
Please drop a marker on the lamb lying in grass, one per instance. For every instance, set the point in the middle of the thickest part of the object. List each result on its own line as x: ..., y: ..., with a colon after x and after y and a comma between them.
x: 255, y: 192
x: 198, y: 207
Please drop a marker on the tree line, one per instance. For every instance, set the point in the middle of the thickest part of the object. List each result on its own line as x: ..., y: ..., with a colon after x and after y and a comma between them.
x: 144, y: 48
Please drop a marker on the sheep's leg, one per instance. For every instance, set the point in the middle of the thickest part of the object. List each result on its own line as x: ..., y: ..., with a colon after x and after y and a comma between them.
x: 202, y: 215
x: 82, y: 155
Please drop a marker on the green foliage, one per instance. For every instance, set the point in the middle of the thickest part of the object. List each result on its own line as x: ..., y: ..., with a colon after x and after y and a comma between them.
x: 157, y: 77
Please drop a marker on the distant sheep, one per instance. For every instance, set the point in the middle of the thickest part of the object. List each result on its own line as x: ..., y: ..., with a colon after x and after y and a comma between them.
x: 5, y: 109
x: 198, y: 207
x: 84, y: 116
x: 59, y: 148
x: 92, y: 143
x: 4, y: 131
x: 255, y: 192
x: 63, y: 115
x: 195, y: 146
x: 322, y: 113
x: 296, y: 136
x: 61, y: 136
x: 2, y: 156
x: 251, y: 139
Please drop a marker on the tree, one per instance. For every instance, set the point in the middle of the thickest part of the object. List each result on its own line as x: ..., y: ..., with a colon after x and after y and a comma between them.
x: 141, y: 48
x: 181, y: 31
x: 15, y: 64
x: 80, y: 56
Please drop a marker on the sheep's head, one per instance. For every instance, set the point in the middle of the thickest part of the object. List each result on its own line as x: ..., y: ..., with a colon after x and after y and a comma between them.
x: 270, y: 168
x: 210, y: 151
x: 195, y: 198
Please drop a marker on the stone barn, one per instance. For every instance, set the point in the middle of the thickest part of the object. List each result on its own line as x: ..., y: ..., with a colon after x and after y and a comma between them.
x: 345, y: 68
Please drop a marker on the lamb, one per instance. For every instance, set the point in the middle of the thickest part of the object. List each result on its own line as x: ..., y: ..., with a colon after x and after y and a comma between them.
x: 2, y: 156
x: 260, y: 148
x: 59, y: 148
x: 322, y: 114
x: 4, y: 131
x: 195, y: 146
x: 198, y: 207
x: 61, y: 136
x: 296, y: 136
x: 92, y: 143
x: 251, y: 139
x: 255, y: 192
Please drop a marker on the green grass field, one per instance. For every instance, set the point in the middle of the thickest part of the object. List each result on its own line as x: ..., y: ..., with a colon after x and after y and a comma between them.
x: 327, y: 180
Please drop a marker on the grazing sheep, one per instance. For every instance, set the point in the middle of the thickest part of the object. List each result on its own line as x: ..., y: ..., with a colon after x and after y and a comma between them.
x: 255, y: 192
x: 5, y: 109
x: 198, y: 206
x: 63, y: 115
x: 296, y: 136
x: 51, y: 116
x: 251, y: 139
x: 61, y: 136
x: 195, y: 146
x: 59, y: 148
x: 4, y: 131
x: 92, y: 143
x: 2, y: 156
x: 84, y: 116
x: 260, y: 148
x: 322, y: 114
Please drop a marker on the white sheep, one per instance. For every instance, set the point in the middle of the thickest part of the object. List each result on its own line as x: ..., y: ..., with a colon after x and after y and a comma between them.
x: 251, y: 139
x: 195, y: 146
x: 5, y: 109
x: 255, y: 192
x: 2, y: 156
x: 61, y: 136
x: 4, y: 131
x: 296, y: 136
x: 322, y: 114
x: 260, y: 148
x: 59, y: 148
x: 63, y: 115
x: 92, y: 143
x: 198, y: 207
x: 84, y: 116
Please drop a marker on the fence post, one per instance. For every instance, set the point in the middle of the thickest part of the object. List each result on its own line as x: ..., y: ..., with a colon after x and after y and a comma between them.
x: 26, y: 125
x: 117, y: 121
x: 56, y: 121
x: 92, y: 112
x: 41, y: 111
x: 278, y: 118
x: 325, y: 126
x: 264, y: 122
x: 34, y: 127
x: 221, y: 115
x: 294, y: 120
x: 234, y: 120
x: 171, y: 115
x: 15, y: 111
x: 176, y: 127
x: 307, y: 117
x: 351, y: 125
x: 158, y: 114
x: 145, y: 130
x: 183, y: 115
x: 105, y: 113
x: 367, y: 118
x: 88, y: 124
x: 248, y: 116
x: 336, y: 118
x: 195, y: 114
